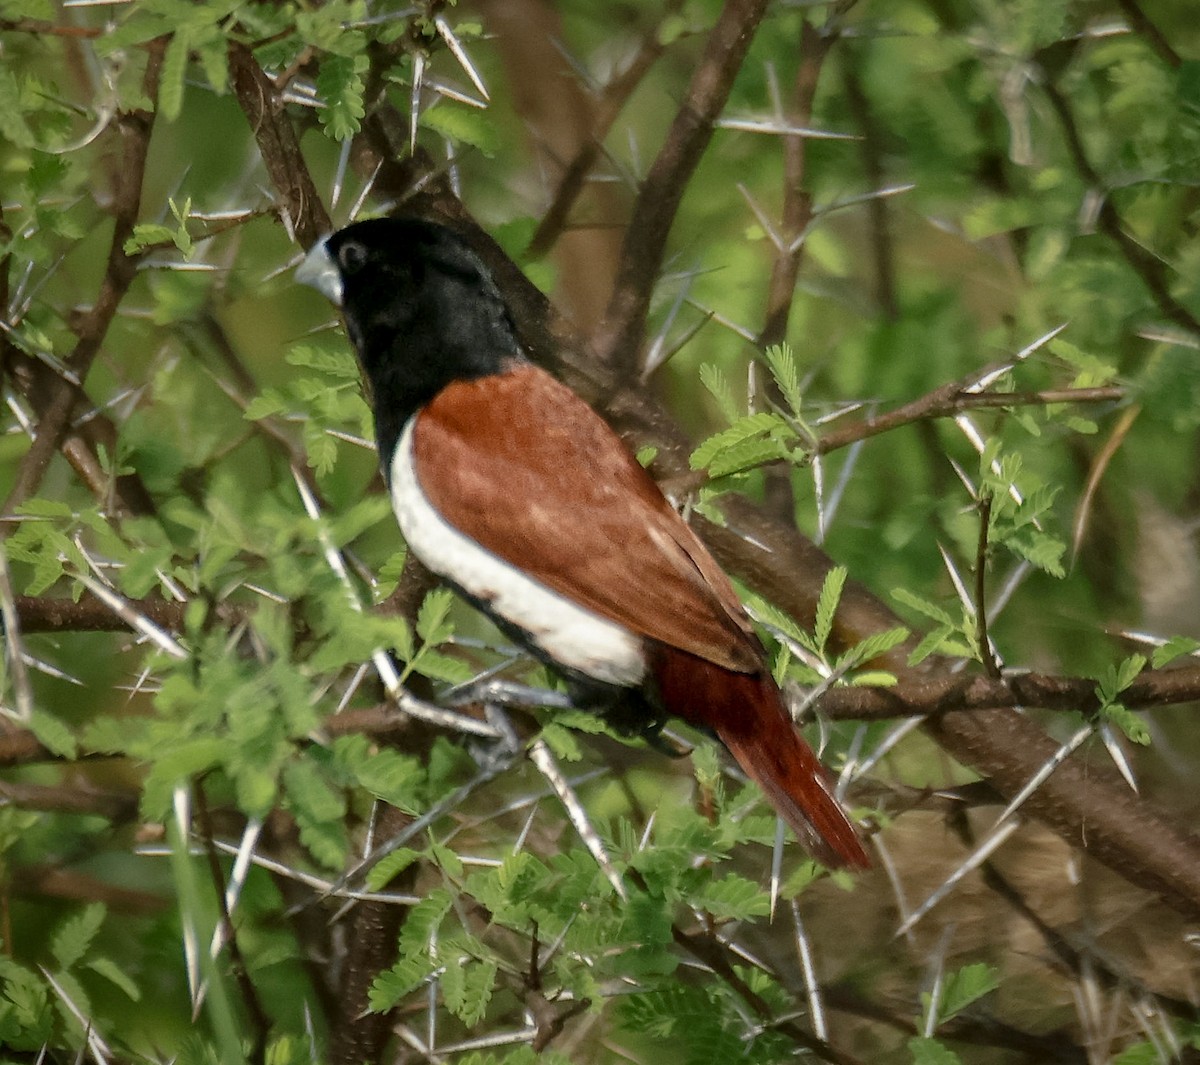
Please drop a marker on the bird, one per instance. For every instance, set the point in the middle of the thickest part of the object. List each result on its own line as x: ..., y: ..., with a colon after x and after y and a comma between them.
x: 512, y: 489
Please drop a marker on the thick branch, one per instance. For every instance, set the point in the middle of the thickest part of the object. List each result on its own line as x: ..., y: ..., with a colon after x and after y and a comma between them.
x: 944, y: 693
x: 89, y: 614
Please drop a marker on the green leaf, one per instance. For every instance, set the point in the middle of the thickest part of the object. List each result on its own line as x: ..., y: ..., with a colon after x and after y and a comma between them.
x: 942, y: 640
x: 423, y: 920
x: 827, y: 604
x: 930, y: 1052
x: 396, y: 778
x: 749, y: 455
x: 873, y: 646
x: 384, y: 871
x: 13, y: 126
x: 1145, y: 1053
x: 322, y: 449
x: 782, y: 363
x: 185, y: 760
x: 340, y: 84
x: 468, y: 992
x: 272, y: 401
x: 1127, y: 721
x: 310, y: 793
x: 1042, y: 549
x: 923, y: 606
x: 75, y: 933
x: 733, y: 897
x: 1116, y: 678
x: 171, y: 79
x: 463, y: 125
x: 116, y: 976
x: 713, y: 378
x: 432, y: 625
x: 45, y: 508
x: 1175, y: 647
x: 26, y: 1016
x: 964, y: 987
x: 747, y: 428
x: 562, y: 742
x: 336, y: 362
x: 53, y: 734
x: 391, y: 987
x: 874, y: 679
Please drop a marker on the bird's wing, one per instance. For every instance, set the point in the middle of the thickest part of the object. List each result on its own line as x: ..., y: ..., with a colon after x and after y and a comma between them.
x: 532, y: 474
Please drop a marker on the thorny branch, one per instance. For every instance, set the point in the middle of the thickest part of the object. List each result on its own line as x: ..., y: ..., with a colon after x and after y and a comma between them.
x: 612, y: 99
x: 1089, y: 806
x: 815, y: 45
x: 944, y: 693
x: 973, y: 718
x: 260, y: 101
x: 952, y: 399
x: 710, y: 951
x: 983, y: 641
x: 662, y: 191
x: 57, y: 401
x: 1144, y: 263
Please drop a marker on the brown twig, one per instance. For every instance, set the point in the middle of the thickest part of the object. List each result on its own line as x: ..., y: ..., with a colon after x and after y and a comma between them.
x: 1141, y: 23
x: 778, y: 495
x: 42, y: 882
x: 1096, y: 473
x: 797, y: 212
x: 356, y: 1033
x: 952, y: 399
x: 711, y: 952
x: 1148, y: 266
x: 1041, y: 1048
x: 619, y: 342
x: 56, y: 409
x: 123, y: 493
x: 609, y: 106
x: 62, y: 798
x: 871, y: 149
x: 1081, y: 964
x: 943, y: 402
x: 39, y: 28
x: 277, y: 143
x: 983, y: 642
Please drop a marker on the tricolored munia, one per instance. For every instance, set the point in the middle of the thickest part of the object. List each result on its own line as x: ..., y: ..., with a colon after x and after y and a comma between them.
x: 513, y: 490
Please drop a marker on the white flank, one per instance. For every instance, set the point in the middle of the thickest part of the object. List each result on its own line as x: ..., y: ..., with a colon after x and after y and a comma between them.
x: 569, y: 634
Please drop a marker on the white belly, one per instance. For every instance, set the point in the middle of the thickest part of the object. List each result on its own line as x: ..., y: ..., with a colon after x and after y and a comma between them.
x: 567, y: 633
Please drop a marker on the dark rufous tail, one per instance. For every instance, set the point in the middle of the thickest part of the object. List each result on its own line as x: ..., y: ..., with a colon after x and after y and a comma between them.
x: 747, y: 713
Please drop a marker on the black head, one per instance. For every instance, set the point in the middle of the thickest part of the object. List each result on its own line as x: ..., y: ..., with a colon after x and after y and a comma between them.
x: 420, y: 307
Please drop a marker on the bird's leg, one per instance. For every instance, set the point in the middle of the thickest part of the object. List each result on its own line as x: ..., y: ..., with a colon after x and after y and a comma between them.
x: 491, y: 689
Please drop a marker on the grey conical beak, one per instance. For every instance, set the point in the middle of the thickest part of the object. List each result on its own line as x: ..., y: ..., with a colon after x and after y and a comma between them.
x: 320, y: 271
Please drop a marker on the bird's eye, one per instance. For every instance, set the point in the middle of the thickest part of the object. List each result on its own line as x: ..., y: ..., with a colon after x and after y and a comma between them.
x: 351, y: 256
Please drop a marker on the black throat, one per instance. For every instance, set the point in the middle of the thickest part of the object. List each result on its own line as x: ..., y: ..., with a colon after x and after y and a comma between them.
x: 422, y: 311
